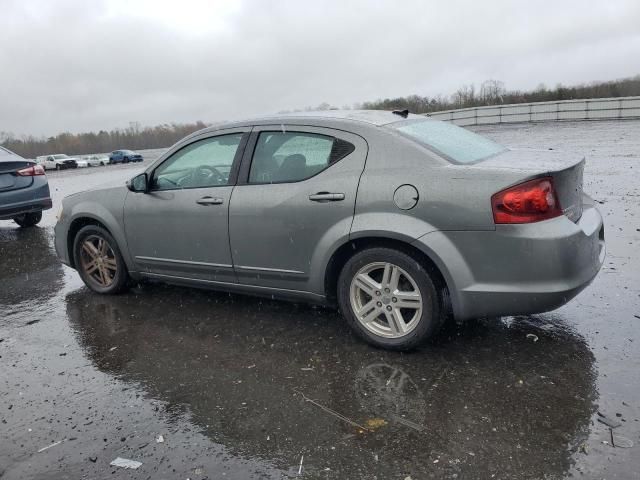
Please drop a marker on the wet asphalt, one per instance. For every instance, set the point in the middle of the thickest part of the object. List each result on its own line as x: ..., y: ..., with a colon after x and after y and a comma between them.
x: 241, y: 387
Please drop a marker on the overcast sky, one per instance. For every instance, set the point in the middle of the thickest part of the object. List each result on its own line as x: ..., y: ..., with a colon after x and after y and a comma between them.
x: 77, y: 65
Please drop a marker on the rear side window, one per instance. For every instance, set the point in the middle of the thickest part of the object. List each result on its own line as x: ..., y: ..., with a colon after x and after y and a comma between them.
x: 454, y: 143
x: 294, y: 156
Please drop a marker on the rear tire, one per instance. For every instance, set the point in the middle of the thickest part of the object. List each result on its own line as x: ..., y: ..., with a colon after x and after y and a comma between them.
x: 58, y: 167
x: 99, y: 262
x: 28, y: 219
x: 389, y: 299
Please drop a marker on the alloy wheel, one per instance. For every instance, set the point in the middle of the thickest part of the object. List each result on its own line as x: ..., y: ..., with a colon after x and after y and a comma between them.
x: 98, y: 260
x: 385, y: 299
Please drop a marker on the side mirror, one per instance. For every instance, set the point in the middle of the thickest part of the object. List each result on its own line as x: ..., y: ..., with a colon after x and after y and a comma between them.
x: 139, y: 183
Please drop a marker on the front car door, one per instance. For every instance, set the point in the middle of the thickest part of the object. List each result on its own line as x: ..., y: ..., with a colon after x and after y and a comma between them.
x: 179, y: 228
x: 294, y: 201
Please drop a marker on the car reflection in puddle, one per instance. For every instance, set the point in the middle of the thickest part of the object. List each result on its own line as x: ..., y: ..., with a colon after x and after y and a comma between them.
x: 29, y: 267
x: 479, y: 400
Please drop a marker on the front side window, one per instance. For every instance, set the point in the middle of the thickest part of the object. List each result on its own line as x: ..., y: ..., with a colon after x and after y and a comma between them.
x: 456, y: 144
x: 282, y: 157
x: 205, y: 163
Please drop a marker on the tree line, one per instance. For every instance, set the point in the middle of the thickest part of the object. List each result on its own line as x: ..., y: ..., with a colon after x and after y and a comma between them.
x: 493, y: 92
x: 133, y: 137
x: 490, y: 92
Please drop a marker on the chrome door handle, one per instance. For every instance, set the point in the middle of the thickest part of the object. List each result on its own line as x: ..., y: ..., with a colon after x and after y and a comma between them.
x: 326, y: 197
x: 210, y: 201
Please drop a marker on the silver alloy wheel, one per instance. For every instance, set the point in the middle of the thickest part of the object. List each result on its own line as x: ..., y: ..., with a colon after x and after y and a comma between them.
x: 98, y: 260
x: 385, y: 299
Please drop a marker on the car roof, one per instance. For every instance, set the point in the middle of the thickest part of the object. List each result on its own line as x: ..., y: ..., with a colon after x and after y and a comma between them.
x: 371, y: 118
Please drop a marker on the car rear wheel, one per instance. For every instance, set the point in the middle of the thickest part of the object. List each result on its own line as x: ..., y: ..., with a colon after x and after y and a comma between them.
x: 28, y: 219
x: 99, y: 261
x: 58, y: 167
x: 389, y: 299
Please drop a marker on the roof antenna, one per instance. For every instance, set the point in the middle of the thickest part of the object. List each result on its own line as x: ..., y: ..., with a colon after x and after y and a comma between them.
x: 403, y: 113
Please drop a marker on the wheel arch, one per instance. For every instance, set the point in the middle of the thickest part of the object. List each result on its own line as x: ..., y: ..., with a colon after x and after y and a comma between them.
x: 345, y: 251
x: 74, y: 227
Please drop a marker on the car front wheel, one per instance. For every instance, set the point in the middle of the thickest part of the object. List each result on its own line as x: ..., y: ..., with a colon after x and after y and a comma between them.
x: 28, y: 219
x: 99, y: 261
x: 389, y: 299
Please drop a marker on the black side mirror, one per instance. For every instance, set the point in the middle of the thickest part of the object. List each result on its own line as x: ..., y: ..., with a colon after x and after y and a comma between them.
x: 139, y: 183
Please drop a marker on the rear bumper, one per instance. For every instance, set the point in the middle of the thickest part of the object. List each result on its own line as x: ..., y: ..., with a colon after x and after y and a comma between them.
x: 31, y: 199
x: 520, y: 269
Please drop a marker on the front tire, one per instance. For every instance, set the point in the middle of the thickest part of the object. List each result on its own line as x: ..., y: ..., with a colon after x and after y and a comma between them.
x: 99, y: 261
x: 28, y: 219
x: 389, y: 299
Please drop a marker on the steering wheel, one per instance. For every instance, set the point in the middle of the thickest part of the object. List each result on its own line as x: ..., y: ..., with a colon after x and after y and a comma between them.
x: 204, y: 174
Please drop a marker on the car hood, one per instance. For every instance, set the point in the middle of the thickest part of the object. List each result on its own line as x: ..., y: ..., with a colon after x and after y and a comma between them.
x: 115, y: 188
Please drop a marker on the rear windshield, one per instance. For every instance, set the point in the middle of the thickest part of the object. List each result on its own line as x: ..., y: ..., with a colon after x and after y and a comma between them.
x: 454, y: 143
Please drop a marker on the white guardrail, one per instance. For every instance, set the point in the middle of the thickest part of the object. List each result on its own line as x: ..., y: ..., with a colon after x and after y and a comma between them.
x: 591, y: 109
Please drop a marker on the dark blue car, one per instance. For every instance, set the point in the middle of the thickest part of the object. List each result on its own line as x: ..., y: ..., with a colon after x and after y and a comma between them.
x: 124, y: 156
x: 24, y: 190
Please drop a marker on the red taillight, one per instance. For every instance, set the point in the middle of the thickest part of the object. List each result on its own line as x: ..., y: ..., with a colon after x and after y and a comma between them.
x: 528, y: 202
x: 31, y: 171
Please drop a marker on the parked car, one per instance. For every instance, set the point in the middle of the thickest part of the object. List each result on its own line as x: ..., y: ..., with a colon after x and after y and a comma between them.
x: 93, y: 161
x: 24, y: 190
x: 124, y: 156
x: 57, y: 162
x: 400, y: 219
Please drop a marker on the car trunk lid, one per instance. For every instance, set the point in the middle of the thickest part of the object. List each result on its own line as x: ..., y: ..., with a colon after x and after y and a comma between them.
x: 9, y: 179
x: 566, y: 171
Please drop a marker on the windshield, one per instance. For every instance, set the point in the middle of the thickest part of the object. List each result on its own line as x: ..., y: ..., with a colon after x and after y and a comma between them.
x: 454, y: 143
x: 60, y: 157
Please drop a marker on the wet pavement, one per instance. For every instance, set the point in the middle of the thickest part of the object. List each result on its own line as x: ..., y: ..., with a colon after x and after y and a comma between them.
x: 241, y: 387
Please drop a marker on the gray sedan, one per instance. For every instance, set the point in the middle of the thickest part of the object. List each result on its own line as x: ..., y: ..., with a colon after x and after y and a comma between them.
x: 400, y: 220
x: 24, y: 190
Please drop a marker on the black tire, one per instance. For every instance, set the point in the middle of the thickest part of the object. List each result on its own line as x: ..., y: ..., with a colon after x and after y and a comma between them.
x: 433, y: 309
x: 58, y: 167
x: 28, y: 219
x: 120, y: 279
x: 102, y: 164
x: 125, y: 160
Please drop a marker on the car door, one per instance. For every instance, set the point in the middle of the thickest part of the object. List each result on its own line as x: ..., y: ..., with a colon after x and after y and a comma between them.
x: 50, y: 162
x: 294, y: 200
x: 180, y: 227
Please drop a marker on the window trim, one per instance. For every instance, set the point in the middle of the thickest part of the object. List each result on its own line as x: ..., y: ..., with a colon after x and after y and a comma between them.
x: 235, y: 164
x: 247, y: 161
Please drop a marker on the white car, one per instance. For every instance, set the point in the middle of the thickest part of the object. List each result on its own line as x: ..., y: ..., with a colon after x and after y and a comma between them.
x: 57, y: 162
x: 93, y: 161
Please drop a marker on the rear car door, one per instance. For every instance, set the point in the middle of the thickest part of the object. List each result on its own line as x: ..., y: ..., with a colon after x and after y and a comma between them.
x: 180, y: 227
x: 294, y: 200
